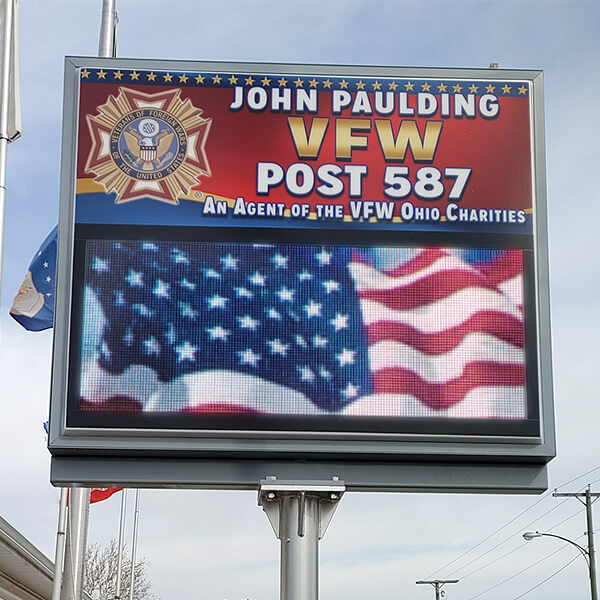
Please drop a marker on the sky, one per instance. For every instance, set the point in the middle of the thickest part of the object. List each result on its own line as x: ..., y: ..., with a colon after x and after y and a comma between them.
x: 216, y: 544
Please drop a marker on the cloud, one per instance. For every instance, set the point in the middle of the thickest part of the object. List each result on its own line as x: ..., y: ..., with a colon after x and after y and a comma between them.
x: 220, y: 544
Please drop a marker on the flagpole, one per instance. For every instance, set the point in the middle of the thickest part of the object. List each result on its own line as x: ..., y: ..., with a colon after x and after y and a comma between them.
x: 79, y: 510
x: 134, y: 542
x: 80, y: 497
x: 59, y: 555
x: 4, y: 109
x: 120, y: 555
x: 107, y: 45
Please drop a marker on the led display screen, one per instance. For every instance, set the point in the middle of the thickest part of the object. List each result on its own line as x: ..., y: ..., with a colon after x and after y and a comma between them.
x: 211, y: 334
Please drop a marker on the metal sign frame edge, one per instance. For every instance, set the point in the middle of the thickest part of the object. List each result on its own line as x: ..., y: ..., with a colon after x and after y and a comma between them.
x: 361, y: 476
x: 57, y: 439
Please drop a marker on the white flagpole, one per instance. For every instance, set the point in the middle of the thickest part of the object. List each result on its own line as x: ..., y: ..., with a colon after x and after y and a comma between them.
x: 7, y: 47
x: 72, y: 587
x: 120, y: 555
x: 79, y: 510
x: 108, y: 29
x: 134, y: 542
x: 59, y: 555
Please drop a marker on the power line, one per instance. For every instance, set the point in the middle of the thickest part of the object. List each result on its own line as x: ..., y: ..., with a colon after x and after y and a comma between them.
x: 493, y: 561
x: 540, y: 499
x: 579, y: 477
x: 547, y: 578
x: 510, y: 537
x: 511, y: 521
x: 515, y: 549
x: 555, y: 507
x: 491, y: 535
x: 519, y: 573
x: 564, y: 521
x: 526, y: 569
x: 488, y: 537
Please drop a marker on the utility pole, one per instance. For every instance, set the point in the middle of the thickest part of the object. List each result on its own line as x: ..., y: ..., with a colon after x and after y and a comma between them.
x: 438, y: 584
x: 587, y: 498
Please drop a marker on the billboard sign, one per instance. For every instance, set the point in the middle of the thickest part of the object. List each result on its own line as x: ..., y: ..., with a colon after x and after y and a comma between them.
x: 302, y: 262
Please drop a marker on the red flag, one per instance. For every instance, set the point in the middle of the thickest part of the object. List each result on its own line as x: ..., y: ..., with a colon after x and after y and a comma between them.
x: 99, y: 494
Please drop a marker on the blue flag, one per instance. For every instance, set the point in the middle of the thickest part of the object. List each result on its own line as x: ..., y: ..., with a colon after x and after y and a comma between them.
x: 33, y: 306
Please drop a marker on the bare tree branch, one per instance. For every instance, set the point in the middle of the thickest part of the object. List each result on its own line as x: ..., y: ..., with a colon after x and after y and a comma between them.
x: 100, y: 574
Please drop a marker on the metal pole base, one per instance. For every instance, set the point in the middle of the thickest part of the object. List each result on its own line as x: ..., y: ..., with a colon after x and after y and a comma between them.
x: 299, y: 512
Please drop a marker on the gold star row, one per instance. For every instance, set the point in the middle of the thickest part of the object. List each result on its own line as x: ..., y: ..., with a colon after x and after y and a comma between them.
x: 282, y: 82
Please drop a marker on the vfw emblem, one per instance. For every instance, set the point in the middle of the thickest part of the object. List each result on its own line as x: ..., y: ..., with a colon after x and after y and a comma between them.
x: 148, y: 145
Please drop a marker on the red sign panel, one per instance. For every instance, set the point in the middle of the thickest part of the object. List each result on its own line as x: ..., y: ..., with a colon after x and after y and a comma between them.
x: 301, y: 151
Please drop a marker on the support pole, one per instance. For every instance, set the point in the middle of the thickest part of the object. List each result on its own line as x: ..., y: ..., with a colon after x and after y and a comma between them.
x: 590, y: 537
x: 587, y: 498
x: 79, y: 510
x: 6, y: 41
x: 299, y: 550
x: 438, y: 584
x: 59, y: 554
x: 299, y: 512
x: 107, y: 45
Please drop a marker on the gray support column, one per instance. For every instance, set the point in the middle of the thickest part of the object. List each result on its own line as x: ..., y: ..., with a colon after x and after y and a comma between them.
x: 299, y: 527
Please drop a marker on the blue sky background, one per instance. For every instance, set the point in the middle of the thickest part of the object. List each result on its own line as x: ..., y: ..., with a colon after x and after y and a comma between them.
x: 219, y: 545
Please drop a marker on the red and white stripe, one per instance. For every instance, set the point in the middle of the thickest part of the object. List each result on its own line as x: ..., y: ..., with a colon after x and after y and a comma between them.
x: 445, y: 337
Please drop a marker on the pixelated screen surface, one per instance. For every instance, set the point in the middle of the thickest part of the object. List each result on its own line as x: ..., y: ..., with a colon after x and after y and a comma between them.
x: 220, y: 328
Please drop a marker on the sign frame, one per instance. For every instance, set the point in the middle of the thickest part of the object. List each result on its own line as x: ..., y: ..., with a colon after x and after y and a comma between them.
x: 187, y: 458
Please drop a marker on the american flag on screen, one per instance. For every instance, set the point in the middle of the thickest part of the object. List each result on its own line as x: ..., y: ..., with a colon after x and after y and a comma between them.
x: 290, y: 329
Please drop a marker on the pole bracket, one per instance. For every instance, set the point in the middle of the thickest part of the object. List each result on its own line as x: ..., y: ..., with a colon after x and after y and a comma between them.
x: 272, y: 491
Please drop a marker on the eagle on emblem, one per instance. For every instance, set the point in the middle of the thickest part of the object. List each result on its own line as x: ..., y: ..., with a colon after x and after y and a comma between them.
x: 149, y: 147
